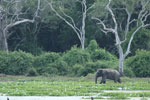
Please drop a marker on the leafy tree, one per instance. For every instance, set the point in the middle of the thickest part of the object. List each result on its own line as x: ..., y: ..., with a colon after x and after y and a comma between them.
x: 11, y: 15
x: 78, y: 29
x: 138, y: 7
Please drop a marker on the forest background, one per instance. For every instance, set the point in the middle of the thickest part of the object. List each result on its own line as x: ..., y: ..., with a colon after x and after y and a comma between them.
x: 39, y: 42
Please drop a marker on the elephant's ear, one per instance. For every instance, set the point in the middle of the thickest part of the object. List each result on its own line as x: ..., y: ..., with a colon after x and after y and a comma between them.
x: 100, y: 72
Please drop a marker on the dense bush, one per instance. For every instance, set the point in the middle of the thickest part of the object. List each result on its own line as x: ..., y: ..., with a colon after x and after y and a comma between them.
x: 97, y: 53
x: 74, y: 62
x: 128, y: 72
x: 92, y: 46
x: 15, y: 63
x: 91, y: 67
x: 46, y: 63
x: 140, y: 63
x: 32, y: 72
x: 76, y: 70
x: 102, y: 54
x: 4, y: 57
x: 76, y: 56
x: 62, y: 67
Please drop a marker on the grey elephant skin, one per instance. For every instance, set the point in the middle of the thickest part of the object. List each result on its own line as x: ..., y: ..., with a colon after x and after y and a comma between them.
x: 107, y: 74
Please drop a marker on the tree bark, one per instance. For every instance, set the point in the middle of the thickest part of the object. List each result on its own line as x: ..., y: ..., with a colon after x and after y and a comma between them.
x: 3, y: 42
x: 3, y: 39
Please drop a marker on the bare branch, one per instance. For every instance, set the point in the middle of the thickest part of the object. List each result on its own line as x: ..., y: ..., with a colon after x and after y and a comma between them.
x: 50, y: 4
x: 143, y: 8
x: 79, y: 31
x: 112, y: 14
x: 132, y: 21
x: 73, y: 23
x: 37, y: 11
x: 104, y: 26
x: 130, y: 41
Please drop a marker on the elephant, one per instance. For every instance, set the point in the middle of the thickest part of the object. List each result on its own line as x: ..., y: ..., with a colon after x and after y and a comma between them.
x: 108, y: 74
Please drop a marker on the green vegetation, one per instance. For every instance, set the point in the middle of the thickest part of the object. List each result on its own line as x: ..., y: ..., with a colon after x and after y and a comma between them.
x: 114, y: 95
x: 74, y: 62
x: 140, y: 63
x: 71, y: 86
x: 48, y: 54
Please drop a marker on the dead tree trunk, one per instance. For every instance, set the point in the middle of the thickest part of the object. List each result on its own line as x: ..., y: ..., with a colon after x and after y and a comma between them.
x: 142, y: 18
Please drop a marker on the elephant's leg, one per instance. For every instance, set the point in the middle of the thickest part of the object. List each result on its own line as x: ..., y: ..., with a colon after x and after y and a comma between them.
x: 119, y: 80
x: 115, y: 81
x: 103, y: 80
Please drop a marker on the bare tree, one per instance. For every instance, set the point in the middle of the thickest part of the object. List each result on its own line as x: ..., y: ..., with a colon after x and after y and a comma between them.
x: 10, y: 16
x: 80, y: 31
x: 141, y: 23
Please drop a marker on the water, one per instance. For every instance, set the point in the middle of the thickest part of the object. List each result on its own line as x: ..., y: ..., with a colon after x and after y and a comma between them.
x: 4, y: 97
x: 39, y: 98
x: 58, y: 98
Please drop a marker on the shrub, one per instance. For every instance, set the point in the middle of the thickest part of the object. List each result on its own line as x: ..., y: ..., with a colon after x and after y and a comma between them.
x: 46, y: 63
x: 91, y: 67
x: 32, y: 72
x: 102, y: 54
x: 76, y: 70
x: 107, y: 64
x: 4, y: 57
x: 15, y: 63
x: 92, y: 46
x: 76, y: 56
x: 128, y: 72
x: 62, y: 67
x: 140, y: 63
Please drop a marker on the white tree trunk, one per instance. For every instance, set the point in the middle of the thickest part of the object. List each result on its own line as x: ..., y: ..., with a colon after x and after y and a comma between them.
x: 8, y: 21
x: 121, y: 60
x: 79, y: 31
x: 3, y: 42
x: 143, y: 15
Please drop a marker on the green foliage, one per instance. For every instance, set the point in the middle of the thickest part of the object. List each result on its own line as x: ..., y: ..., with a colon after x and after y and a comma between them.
x: 98, y: 53
x: 98, y: 9
x: 62, y: 67
x: 102, y: 54
x: 140, y: 63
x: 15, y: 63
x: 76, y: 56
x: 71, y: 86
x: 91, y: 67
x: 46, y: 63
x: 92, y: 46
x: 143, y: 35
x: 32, y: 72
x: 128, y: 72
x: 76, y: 69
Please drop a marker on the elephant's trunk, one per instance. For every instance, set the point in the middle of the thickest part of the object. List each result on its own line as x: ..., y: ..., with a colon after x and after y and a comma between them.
x: 96, y: 79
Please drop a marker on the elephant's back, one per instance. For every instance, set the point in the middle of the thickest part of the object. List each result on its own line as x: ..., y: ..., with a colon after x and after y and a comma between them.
x: 112, y: 74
